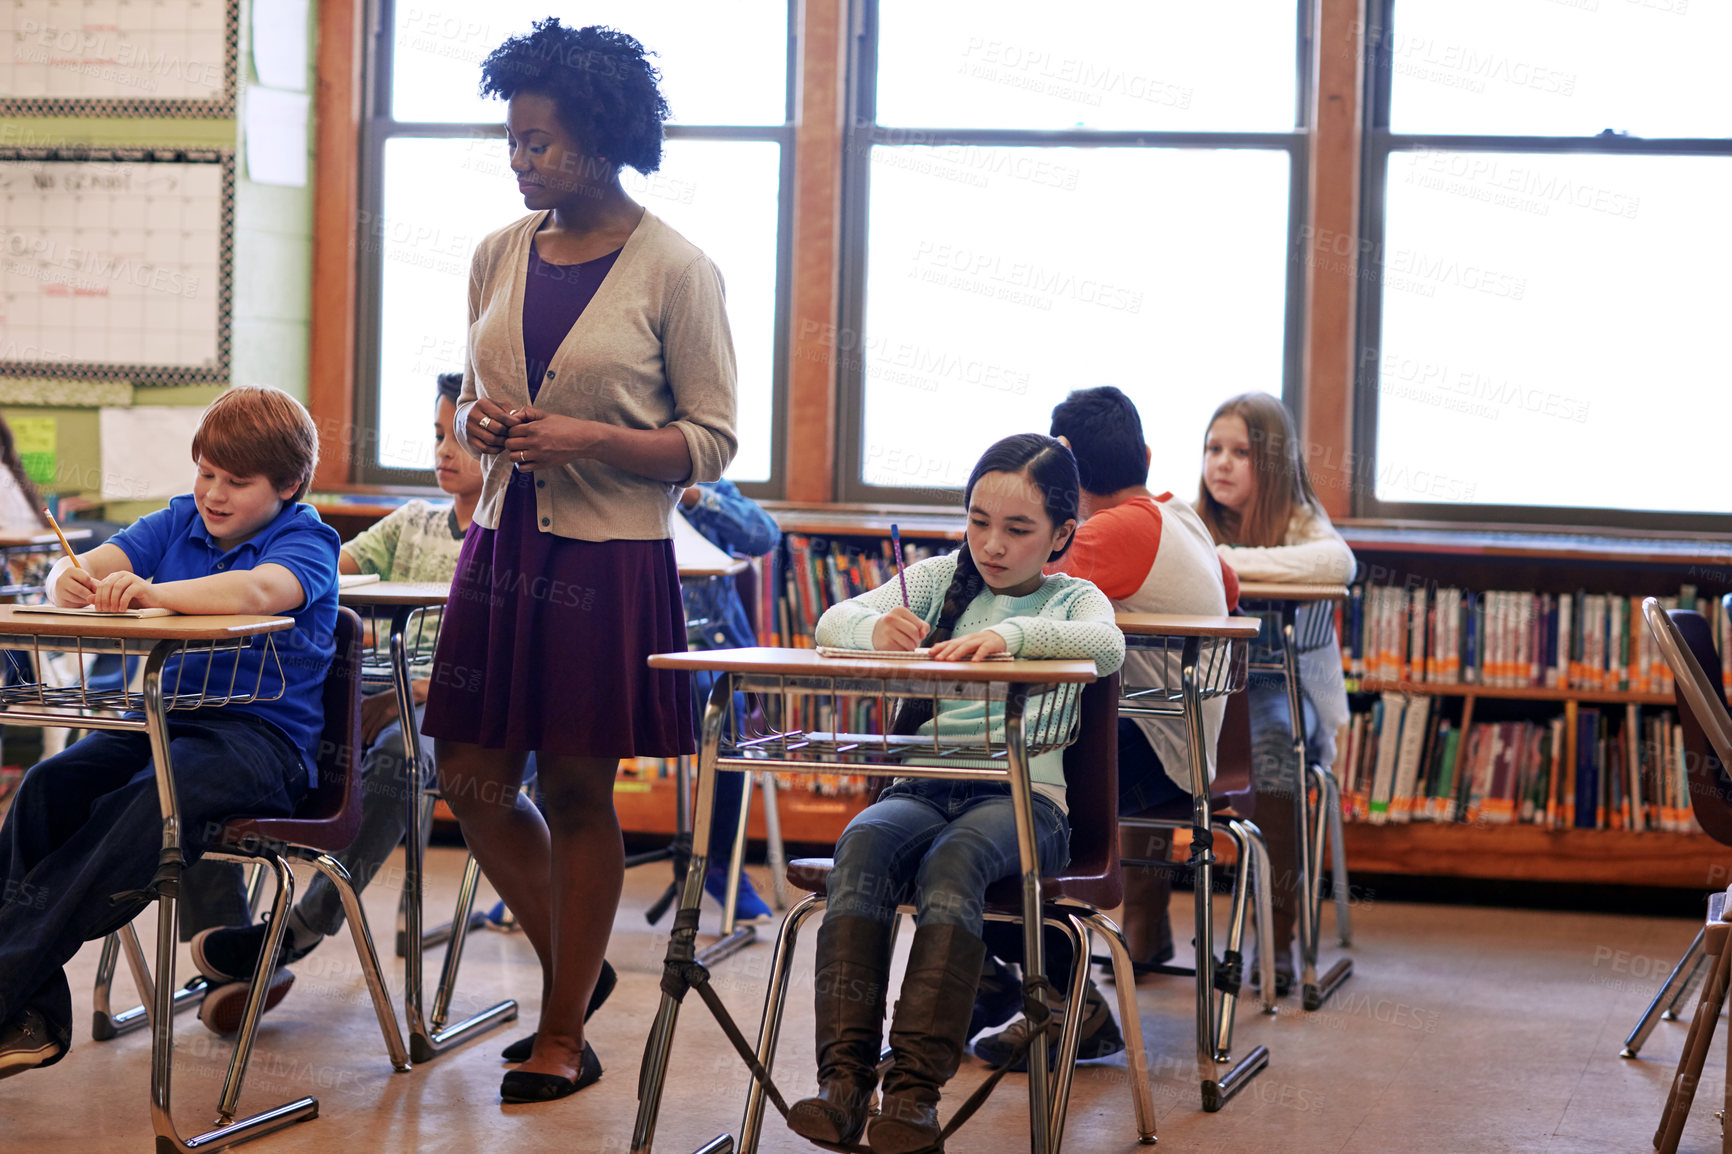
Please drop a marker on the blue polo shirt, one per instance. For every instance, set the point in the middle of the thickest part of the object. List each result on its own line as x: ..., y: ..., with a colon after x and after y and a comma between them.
x: 173, y: 545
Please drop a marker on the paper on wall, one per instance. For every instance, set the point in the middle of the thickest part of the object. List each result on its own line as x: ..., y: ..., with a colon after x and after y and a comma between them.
x: 280, y: 43
x: 276, y: 137
x: 147, y: 451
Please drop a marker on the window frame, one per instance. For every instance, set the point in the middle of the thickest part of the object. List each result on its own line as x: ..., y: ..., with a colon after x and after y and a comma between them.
x: 378, y: 126
x: 861, y: 132
x: 1379, y: 145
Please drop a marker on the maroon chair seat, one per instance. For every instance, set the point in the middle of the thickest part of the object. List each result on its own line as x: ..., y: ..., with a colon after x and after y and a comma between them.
x: 1232, y: 794
x: 329, y: 816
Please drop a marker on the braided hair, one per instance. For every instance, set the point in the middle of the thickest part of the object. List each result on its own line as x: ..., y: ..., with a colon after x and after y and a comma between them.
x: 1052, y: 470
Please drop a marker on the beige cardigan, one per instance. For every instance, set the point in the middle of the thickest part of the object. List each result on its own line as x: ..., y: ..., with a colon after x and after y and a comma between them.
x: 652, y: 349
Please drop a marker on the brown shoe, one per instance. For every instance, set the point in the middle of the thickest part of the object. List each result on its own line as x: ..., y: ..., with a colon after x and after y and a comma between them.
x: 224, y: 1005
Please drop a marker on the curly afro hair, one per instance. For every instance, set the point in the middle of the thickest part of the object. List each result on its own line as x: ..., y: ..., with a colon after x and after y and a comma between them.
x: 600, y: 80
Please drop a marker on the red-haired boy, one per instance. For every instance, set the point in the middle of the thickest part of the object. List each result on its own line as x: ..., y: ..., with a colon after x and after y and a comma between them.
x: 85, y: 824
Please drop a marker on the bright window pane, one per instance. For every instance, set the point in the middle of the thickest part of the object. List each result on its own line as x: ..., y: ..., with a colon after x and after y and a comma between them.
x: 721, y: 195
x: 1175, y: 65
x: 722, y: 61
x: 1565, y: 68
x: 1550, y: 325
x: 1001, y: 278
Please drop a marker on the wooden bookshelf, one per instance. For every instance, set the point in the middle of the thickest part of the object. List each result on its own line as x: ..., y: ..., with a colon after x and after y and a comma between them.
x: 1511, y: 693
x: 921, y: 522
x: 1531, y: 853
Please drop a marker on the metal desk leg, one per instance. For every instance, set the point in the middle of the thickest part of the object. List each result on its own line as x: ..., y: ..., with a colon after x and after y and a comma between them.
x: 1033, y: 935
x: 1217, y: 1088
x: 105, y: 1024
x: 734, y: 937
x: 1315, y: 992
x: 1670, y: 994
x: 425, y: 1044
x: 681, y: 944
x: 168, y: 1139
x: 770, y: 1024
x: 778, y: 859
x: 1329, y: 799
x: 1125, y: 981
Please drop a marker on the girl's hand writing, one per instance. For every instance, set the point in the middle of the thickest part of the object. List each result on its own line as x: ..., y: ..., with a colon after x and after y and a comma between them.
x: 898, y: 631
x: 974, y: 647
x: 486, y: 424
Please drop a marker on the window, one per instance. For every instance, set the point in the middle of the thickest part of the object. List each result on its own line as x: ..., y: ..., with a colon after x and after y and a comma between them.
x: 1544, y: 298
x: 1038, y: 204
x: 437, y: 181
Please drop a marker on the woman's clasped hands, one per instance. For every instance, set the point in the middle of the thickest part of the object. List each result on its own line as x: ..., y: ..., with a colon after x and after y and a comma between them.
x: 530, y: 437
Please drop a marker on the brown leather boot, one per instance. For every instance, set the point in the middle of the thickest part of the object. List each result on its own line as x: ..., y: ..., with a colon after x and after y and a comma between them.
x: 928, y: 1034
x: 1148, y: 894
x: 1278, y: 821
x: 853, y: 970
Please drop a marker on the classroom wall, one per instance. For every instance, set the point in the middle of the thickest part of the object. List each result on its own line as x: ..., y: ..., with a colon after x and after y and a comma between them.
x: 272, y: 284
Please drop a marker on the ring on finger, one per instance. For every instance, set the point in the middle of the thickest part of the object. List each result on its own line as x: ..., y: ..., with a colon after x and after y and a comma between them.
x: 485, y: 422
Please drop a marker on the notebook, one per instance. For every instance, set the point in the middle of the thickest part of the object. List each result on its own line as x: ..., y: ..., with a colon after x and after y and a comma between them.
x: 62, y: 611
x: 921, y: 654
x: 350, y: 580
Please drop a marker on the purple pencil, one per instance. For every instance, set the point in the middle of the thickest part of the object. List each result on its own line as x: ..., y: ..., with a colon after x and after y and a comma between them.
x: 896, y: 547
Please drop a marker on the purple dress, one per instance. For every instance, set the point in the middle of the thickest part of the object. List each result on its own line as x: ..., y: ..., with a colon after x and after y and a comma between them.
x: 545, y: 638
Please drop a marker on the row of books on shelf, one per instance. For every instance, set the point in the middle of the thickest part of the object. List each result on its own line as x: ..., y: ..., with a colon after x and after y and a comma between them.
x: 1513, y: 638
x: 814, y: 573
x: 1403, y: 761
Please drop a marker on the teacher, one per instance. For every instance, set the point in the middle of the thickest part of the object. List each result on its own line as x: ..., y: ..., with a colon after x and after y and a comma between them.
x: 599, y: 383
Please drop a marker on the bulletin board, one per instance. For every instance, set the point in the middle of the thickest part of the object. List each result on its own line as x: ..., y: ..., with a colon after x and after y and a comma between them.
x: 117, y: 264
x: 118, y: 57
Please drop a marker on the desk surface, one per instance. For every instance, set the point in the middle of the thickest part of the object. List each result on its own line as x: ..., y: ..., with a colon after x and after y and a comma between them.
x: 46, y: 538
x: 807, y: 663
x: 422, y: 593
x: 1187, y: 625
x: 1281, y: 591
x: 186, y: 627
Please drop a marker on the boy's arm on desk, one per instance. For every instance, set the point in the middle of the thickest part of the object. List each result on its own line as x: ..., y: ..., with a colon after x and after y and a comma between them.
x: 267, y: 589
x: 263, y: 591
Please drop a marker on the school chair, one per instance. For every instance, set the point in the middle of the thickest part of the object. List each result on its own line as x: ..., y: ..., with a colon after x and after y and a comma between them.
x: 1073, y: 899
x: 325, y: 821
x: 1232, y: 804
x: 1683, y: 1089
x: 1687, y: 645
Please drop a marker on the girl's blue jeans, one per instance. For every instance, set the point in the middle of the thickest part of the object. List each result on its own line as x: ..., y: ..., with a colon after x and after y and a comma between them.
x: 938, y: 844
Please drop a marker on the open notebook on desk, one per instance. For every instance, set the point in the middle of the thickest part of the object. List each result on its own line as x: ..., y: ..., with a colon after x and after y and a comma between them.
x: 62, y: 611
x: 922, y: 654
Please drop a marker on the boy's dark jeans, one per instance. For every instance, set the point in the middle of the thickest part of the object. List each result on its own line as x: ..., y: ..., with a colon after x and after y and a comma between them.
x: 85, y: 825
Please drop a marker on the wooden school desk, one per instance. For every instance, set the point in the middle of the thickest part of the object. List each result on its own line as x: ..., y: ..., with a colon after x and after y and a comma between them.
x: 1193, y: 659
x: 157, y: 639
x: 406, y: 605
x: 1283, y: 604
x: 792, y: 679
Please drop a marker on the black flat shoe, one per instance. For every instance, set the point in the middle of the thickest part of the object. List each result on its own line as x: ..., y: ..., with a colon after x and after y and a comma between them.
x: 520, y: 1050
x: 522, y: 1086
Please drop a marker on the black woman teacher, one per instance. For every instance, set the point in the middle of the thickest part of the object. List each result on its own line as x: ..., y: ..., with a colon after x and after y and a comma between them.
x: 599, y: 383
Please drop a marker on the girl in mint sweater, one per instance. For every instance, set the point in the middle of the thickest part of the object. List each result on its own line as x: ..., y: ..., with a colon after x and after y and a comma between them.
x: 940, y: 843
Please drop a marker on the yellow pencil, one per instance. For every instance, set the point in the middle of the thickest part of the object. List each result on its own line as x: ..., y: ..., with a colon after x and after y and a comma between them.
x: 64, y: 543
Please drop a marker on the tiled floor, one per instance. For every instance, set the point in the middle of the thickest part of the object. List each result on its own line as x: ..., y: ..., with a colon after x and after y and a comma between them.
x: 1463, y: 1030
